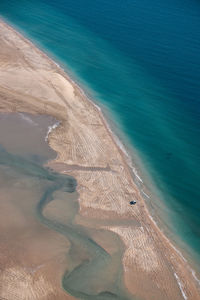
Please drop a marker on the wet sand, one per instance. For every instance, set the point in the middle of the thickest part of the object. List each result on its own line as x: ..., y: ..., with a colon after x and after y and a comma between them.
x: 32, y: 194
x: 24, y: 135
x: 29, y: 252
x: 86, y: 149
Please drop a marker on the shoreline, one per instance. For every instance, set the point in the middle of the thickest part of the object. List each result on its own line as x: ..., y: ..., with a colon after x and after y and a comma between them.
x: 130, y: 152
x: 124, y: 157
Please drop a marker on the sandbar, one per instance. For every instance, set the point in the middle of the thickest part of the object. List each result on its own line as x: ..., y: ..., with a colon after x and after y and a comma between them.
x: 30, y: 82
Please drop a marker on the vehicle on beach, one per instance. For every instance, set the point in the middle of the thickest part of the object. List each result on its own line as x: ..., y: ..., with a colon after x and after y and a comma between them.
x: 132, y: 202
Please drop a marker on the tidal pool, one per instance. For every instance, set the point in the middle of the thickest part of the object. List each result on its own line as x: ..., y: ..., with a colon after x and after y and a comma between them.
x: 40, y: 238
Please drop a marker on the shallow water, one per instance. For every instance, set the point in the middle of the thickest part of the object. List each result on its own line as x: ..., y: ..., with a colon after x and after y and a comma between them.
x: 23, y: 134
x: 141, y: 60
x: 34, y: 198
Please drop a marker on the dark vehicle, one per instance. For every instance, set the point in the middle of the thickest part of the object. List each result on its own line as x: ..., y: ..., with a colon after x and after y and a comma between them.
x: 132, y: 202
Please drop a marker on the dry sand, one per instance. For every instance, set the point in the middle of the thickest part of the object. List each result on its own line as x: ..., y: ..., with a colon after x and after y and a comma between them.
x: 31, y: 82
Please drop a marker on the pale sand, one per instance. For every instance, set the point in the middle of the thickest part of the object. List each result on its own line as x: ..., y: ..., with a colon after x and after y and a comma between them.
x: 31, y: 82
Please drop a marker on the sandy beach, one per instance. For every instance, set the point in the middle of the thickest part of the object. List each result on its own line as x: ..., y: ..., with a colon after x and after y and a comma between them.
x: 30, y: 82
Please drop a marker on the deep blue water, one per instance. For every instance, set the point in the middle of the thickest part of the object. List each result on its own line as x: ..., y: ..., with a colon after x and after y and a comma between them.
x: 141, y: 59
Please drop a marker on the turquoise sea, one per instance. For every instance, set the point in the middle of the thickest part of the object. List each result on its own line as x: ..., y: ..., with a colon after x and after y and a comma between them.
x: 141, y: 61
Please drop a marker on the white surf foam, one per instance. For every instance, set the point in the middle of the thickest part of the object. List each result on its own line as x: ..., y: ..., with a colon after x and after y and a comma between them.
x: 50, y: 128
x: 145, y: 194
x: 181, y: 286
x: 120, y: 145
x: 28, y: 119
x: 195, y: 276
